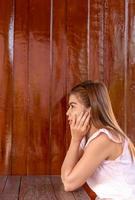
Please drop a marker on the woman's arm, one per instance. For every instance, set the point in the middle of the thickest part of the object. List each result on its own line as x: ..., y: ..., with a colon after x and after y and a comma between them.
x: 79, y: 127
x: 74, y: 172
x: 73, y: 155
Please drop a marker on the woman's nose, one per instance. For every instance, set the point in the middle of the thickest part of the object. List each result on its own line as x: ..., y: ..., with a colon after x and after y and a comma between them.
x: 67, y: 113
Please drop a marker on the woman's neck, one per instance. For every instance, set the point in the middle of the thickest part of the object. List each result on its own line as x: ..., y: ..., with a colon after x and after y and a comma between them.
x: 93, y: 129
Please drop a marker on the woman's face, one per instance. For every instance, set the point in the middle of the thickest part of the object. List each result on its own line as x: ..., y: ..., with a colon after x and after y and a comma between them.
x: 75, y: 107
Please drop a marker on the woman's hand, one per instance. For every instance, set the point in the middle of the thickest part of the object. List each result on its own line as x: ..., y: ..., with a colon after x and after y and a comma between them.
x: 80, y: 126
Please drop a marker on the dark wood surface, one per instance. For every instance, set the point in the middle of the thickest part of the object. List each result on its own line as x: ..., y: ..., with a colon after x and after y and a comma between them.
x: 37, y: 188
x: 46, y: 47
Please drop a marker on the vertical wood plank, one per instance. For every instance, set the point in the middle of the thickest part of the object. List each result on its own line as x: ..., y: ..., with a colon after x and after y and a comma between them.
x: 114, y: 67
x: 6, y: 17
x: 131, y: 70
x: 77, y: 19
x: 39, y: 87
x: 58, y: 86
x: 20, y: 92
x: 96, y: 39
x: 77, y: 33
x: 57, y: 44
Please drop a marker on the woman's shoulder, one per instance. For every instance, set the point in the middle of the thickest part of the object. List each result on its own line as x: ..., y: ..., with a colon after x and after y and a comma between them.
x: 115, y: 135
x: 105, y: 134
x: 115, y: 140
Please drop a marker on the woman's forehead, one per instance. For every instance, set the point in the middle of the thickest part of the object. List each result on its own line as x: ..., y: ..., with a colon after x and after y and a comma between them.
x: 74, y: 98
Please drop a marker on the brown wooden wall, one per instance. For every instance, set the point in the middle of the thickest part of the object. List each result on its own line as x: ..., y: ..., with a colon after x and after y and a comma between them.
x: 46, y: 47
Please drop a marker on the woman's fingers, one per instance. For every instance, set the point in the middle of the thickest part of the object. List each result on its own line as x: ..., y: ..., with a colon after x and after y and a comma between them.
x: 85, y: 119
x: 79, y: 118
x: 80, y: 125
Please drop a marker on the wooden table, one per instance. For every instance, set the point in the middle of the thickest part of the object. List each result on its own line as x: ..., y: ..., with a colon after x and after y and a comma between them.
x: 37, y: 188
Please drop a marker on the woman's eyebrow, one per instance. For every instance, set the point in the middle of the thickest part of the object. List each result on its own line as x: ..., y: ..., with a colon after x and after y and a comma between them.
x: 72, y: 103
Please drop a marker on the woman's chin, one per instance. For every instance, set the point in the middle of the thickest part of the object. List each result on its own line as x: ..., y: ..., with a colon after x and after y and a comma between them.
x: 70, y: 122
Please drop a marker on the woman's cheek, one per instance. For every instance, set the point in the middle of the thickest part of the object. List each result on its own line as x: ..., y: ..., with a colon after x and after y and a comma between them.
x: 74, y: 115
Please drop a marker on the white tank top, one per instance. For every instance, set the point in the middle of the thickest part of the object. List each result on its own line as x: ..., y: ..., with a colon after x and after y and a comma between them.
x: 113, y: 179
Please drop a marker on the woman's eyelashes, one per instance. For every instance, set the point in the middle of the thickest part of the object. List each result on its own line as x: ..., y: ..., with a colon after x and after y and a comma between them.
x: 71, y: 106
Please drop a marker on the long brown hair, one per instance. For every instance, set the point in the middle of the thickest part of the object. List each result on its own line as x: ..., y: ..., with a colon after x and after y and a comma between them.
x: 95, y: 95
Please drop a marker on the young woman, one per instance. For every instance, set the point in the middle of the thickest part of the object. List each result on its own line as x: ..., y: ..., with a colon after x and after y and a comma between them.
x: 100, y: 153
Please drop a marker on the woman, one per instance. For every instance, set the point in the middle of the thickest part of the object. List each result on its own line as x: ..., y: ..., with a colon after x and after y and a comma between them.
x: 100, y: 153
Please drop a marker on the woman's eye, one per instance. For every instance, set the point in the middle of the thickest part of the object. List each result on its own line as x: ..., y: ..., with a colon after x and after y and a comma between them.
x: 70, y: 107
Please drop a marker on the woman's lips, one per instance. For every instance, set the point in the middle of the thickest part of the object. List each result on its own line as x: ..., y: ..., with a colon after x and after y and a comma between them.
x: 69, y: 120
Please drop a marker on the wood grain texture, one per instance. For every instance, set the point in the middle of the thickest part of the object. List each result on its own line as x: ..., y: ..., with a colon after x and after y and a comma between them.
x: 47, y: 188
x: 36, y: 187
x: 39, y: 73
x: 96, y: 39
x: 11, y: 188
x: 6, y: 14
x: 59, y: 189
x: 46, y: 47
x: 58, y: 86
x: 20, y: 88
x: 77, y: 41
x: 77, y: 33
x: 114, y: 66
x: 130, y: 74
x: 2, y: 182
